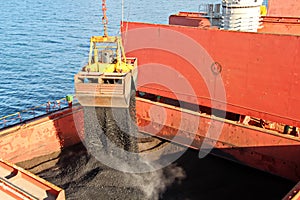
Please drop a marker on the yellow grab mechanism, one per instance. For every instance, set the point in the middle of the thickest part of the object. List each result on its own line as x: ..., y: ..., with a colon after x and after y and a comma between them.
x: 109, y: 78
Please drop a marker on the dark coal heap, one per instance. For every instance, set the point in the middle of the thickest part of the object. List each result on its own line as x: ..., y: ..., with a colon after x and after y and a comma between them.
x: 83, y: 172
x: 84, y: 177
x: 111, y: 139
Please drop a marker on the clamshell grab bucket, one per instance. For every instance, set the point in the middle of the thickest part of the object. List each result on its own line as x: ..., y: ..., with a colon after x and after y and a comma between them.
x: 104, y: 90
x: 109, y: 78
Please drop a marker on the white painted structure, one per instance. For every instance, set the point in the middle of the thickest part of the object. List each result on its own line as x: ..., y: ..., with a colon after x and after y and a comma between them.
x: 241, y: 15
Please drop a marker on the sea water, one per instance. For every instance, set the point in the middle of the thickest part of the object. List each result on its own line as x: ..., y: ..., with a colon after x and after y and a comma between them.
x: 44, y: 43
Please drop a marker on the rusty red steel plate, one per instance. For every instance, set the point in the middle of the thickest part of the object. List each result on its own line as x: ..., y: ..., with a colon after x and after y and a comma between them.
x: 259, y: 72
x: 17, y: 183
x: 257, y: 147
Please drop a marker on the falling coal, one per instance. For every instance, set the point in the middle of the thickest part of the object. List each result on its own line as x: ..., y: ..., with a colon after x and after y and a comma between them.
x: 111, y: 136
x: 84, y: 177
x: 85, y: 171
x: 108, y: 164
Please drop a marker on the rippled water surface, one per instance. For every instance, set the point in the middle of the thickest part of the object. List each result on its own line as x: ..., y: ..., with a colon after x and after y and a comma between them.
x: 44, y: 43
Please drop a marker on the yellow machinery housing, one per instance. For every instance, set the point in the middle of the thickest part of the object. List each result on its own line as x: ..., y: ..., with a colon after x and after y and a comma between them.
x: 109, y: 77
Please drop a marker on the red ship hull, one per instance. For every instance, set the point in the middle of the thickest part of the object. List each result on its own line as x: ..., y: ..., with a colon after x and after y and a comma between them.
x: 245, y: 74
x: 260, y: 72
x: 256, y: 147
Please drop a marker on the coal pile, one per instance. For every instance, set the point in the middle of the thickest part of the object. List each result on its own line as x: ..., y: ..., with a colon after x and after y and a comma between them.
x: 84, y: 177
x: 108, y: 165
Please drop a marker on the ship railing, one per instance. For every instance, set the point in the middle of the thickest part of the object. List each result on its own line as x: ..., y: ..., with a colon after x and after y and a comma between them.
x: 36, y: 111
x: 210, y: 10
